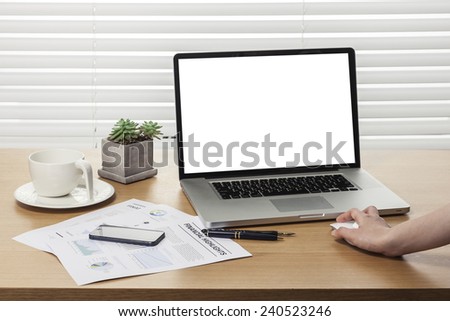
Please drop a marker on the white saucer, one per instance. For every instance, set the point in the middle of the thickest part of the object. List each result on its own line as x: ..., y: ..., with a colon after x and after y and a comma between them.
x: 77, y: 198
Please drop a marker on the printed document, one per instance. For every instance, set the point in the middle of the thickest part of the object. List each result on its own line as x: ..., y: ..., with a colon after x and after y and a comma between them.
x: 89, y: 261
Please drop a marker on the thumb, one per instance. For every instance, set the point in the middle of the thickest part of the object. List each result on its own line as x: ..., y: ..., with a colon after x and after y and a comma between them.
x: 344, y: 233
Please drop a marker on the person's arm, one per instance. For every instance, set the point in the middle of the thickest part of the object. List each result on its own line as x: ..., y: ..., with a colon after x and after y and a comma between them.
x: 374, y: 234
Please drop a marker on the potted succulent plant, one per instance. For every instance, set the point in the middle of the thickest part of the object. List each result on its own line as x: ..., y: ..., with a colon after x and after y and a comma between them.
x: 127, y: 153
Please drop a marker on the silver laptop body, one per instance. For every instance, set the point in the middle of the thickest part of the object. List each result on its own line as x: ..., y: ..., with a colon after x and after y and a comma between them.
x: 252, y: 118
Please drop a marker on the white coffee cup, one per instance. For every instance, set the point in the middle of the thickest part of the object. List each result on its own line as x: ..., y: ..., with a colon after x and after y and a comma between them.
x: 56, y: 172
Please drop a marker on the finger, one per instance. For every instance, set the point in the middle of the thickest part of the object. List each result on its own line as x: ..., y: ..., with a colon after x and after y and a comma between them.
x: 344, y: 233
x: 371, y: 210
x: 347, y: 216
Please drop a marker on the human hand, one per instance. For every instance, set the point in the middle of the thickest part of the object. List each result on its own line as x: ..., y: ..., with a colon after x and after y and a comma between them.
x: 372, y: 233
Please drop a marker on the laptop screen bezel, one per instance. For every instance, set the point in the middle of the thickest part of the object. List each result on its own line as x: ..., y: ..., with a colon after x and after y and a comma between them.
x: 268, y: 171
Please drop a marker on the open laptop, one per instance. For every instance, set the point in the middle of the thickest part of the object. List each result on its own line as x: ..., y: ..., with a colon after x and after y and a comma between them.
x: 270, y: 137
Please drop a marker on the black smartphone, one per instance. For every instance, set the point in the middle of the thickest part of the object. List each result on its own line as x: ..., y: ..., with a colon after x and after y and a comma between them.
x: 124, y: 234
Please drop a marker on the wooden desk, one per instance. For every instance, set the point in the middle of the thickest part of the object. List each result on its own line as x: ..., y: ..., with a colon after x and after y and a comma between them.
x: 310, y: 266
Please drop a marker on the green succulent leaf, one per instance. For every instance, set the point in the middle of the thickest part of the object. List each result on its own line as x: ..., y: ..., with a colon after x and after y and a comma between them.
x: 150, y: 130
x: 124, y: 132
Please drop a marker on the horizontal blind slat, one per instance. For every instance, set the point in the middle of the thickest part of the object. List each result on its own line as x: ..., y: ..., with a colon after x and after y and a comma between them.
x: 233, y: 42
x: 432, y: 91
x: 405, y: 126
x: 408, y: 108
x: 399, y: 58
x: 406, y: 141
x: 74, y: 94
x: 163, y: 59
x: 83, y: 111
x: 67, y: 128
x: 387, y: 75
x: 148, y: 93
x: 225, y: 24
x: 138, y: 77
x: 21, y: 76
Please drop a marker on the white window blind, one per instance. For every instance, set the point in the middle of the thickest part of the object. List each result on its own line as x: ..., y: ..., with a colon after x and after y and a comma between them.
x: 70, y: 69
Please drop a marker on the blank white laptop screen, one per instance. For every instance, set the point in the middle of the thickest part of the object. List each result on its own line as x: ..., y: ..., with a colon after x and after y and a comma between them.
x: 260, y: 112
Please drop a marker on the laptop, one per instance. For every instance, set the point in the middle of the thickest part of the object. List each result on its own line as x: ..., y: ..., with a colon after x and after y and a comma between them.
x: 268, y: 137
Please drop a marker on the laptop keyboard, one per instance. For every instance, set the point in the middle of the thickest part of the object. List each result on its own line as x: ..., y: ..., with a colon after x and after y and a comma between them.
x: 283, y: 186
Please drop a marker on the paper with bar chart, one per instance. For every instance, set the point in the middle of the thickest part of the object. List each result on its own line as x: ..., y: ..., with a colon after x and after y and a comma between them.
x: 89, y: 261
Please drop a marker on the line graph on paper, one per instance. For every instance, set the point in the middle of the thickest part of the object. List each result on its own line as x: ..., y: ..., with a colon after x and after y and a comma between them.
x: 151, y: 259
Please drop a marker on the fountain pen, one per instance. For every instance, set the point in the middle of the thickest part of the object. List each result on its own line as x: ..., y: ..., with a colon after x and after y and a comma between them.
x: 246, y: 234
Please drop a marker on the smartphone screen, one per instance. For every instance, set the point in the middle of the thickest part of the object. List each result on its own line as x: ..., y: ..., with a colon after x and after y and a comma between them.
x: 124, y: 234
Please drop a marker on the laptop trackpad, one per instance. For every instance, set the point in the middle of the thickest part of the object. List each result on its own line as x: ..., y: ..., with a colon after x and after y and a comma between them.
x: 301, y: 204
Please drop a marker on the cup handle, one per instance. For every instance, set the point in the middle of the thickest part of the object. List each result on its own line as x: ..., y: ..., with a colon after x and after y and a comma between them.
x: 88, y: 177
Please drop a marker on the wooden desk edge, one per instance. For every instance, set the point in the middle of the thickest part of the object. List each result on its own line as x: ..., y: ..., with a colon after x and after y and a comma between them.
x: 84, y: 294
